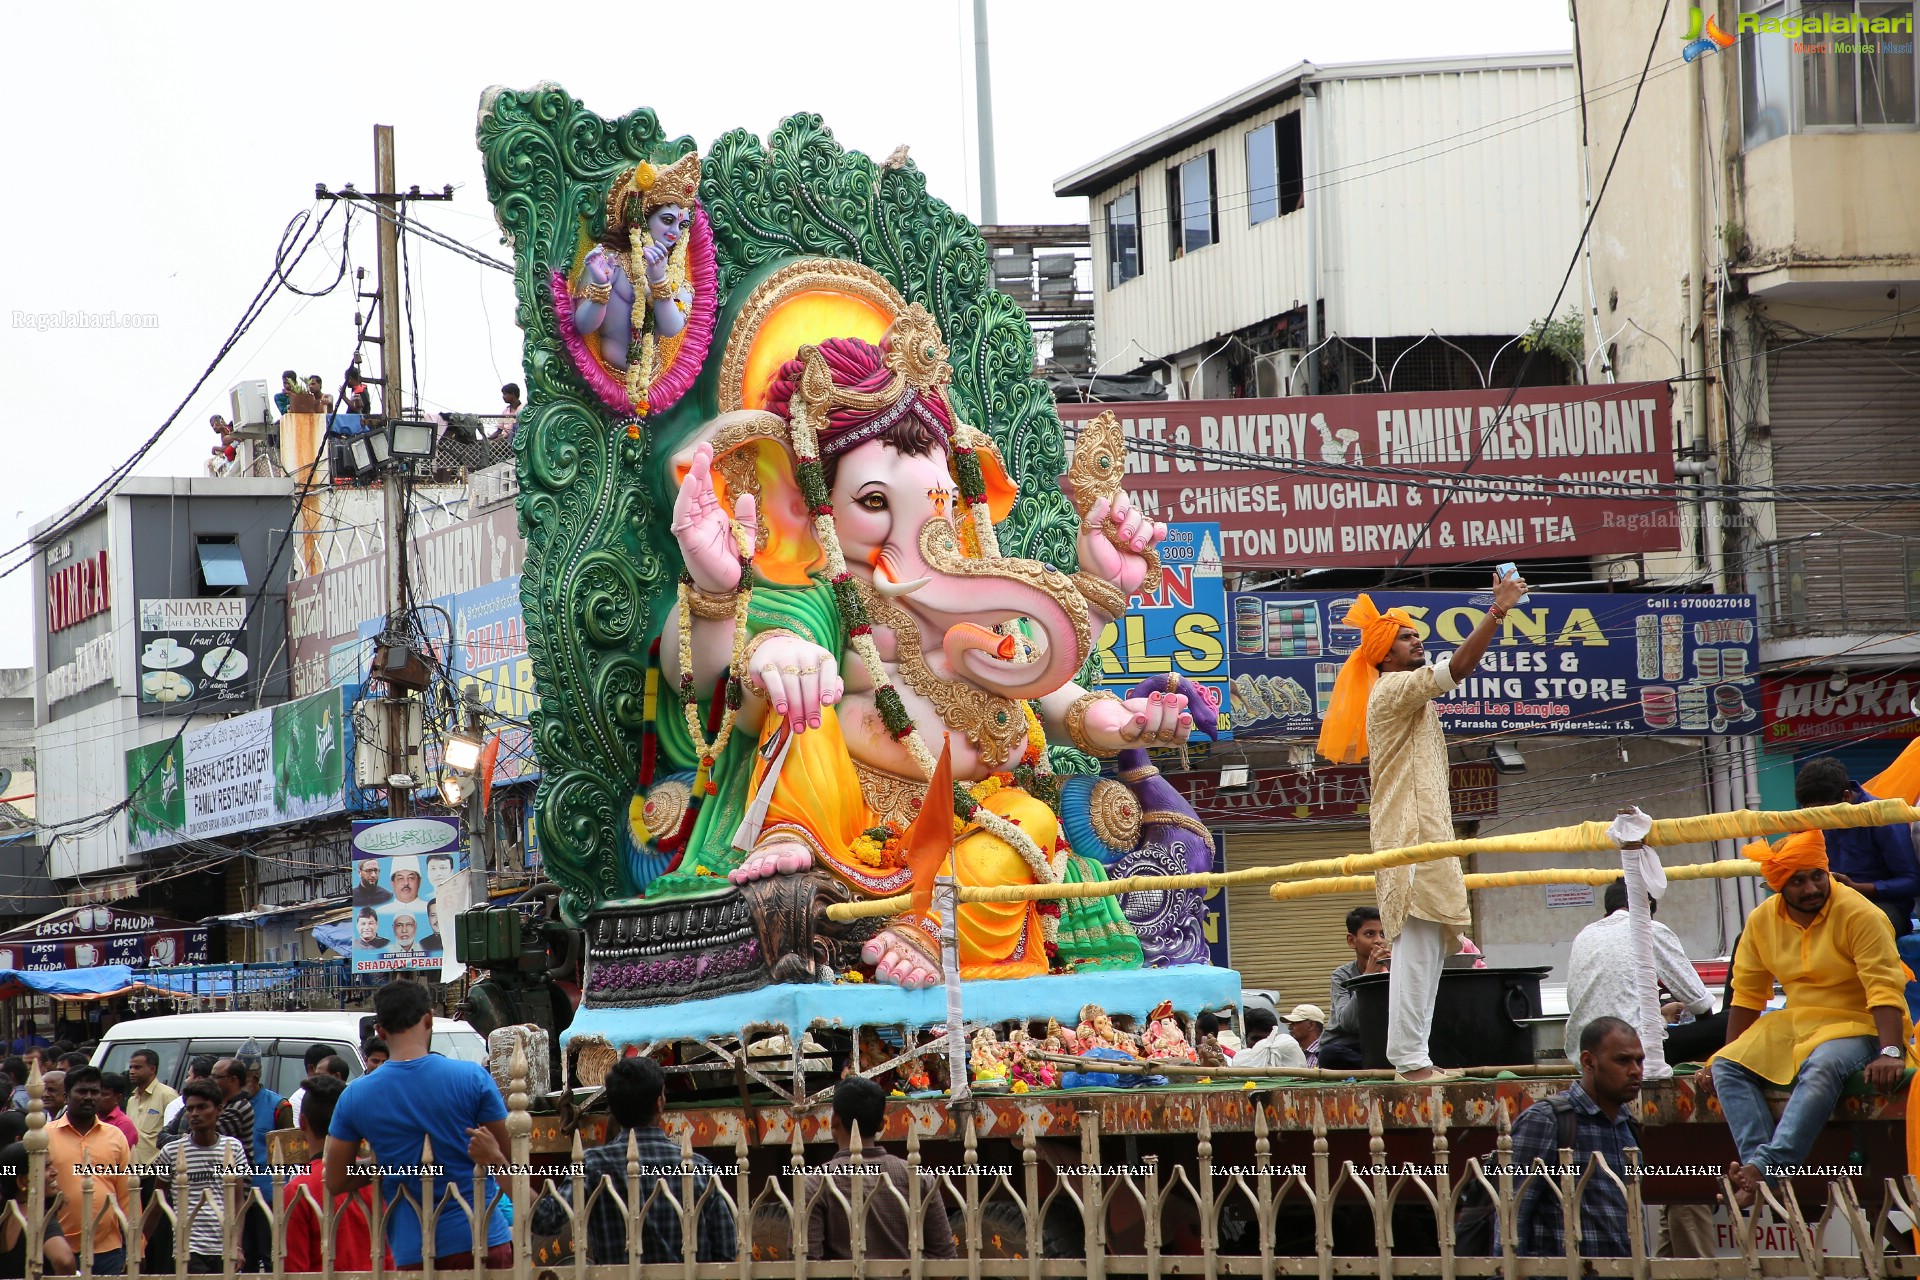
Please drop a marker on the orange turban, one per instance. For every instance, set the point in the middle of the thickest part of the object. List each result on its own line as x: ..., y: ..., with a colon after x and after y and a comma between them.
x: 1343, y: 731
x: 1801, y: 851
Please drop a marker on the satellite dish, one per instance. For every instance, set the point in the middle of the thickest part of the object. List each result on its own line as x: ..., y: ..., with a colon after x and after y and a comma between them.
x: 6, y: 780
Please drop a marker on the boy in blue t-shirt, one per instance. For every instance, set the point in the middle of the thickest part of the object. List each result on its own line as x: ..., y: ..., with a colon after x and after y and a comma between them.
x: 417, y: 1095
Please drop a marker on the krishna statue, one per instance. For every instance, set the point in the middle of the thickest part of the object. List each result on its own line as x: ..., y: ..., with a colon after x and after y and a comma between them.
x: 799, y: 524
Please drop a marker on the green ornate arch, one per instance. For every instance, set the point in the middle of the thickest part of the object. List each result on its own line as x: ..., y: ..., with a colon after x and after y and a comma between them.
x: 594, y: 499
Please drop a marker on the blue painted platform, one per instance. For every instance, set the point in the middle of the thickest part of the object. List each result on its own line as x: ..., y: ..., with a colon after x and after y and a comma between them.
x: 1192, y: 988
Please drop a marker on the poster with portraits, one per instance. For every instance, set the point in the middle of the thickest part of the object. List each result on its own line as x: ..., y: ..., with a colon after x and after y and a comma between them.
x: 401, y: 869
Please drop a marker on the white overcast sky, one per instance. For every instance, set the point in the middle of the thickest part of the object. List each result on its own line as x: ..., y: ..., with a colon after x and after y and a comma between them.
x: 155, y: 153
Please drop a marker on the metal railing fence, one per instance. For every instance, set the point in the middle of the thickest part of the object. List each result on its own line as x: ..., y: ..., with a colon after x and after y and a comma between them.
x: 1140, y: 1219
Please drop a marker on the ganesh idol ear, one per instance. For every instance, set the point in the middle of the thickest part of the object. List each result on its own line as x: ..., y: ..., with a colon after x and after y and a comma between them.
x: 1001, y: 490
x: 752, y: 454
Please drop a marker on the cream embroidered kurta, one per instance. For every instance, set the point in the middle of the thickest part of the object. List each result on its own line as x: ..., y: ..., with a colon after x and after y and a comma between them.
x: 1407, y: 760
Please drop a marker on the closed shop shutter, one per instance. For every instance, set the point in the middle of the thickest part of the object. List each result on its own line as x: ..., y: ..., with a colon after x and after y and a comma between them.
x: 1290, y: 947
x: 1845, y: 413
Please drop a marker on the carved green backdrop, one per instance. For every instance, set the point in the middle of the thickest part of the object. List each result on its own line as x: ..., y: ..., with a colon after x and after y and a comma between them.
x: 595, y: 501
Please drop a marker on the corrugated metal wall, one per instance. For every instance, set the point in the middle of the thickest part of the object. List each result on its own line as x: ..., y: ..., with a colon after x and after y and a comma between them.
x: 1845, y: 413
x: 1290, y: 947
x: 1455, y: 200
x: 1252, y: 273
x: 1446, y: 202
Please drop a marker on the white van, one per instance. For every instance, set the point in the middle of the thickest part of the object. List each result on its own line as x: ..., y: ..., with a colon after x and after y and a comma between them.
x: 281, y: 1038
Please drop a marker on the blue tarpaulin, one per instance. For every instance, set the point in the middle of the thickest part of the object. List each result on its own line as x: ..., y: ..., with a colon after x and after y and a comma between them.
x: 101, y: 980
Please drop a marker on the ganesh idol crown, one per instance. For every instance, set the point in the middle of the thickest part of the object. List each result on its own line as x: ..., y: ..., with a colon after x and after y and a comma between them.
x: 800, y: 523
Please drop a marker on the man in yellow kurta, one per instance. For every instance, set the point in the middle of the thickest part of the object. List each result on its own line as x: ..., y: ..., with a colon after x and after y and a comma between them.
x: 1382, y: 711
x: 1833, y: 952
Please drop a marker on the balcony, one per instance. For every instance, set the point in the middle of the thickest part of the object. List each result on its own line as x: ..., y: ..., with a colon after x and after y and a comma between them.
x: 1834, y: 584
x: 1819, y: 219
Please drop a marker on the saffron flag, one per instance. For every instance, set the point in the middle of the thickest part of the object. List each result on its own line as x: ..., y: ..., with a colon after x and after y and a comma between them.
x: 1900, y: 780
x: 930, y: 838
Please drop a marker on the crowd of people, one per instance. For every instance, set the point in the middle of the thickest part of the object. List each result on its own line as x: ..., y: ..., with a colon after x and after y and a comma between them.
x: 1826, y: 936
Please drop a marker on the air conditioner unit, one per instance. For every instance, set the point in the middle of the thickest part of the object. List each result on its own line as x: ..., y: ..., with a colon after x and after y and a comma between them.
x: 251, y: 402
x: 1274, y: 373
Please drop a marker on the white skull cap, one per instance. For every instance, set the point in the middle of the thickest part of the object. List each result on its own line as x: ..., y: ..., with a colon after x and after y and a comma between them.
x: 406, y: 862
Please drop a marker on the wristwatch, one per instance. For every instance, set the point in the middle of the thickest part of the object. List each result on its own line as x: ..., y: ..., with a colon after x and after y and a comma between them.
x: 1892, y: 1051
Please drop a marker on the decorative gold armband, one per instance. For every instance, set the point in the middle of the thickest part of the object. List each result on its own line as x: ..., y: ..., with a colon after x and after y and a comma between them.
x: 597, y: 292
x: 1101, y: 594
x: 660, y: 290
x: 704, y: 605
x: 1077, y: 723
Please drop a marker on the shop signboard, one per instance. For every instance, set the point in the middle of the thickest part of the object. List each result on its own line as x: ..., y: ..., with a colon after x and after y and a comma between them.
x: 193, y: 655
x: 1583, y: 664
x: 401, y: 867
x: 325, y: 611
x: 1328, y: 794
x: 276, y: 765
x: 1177, y: 629
x: 1353, y: 481
x: 1809, y: 708
x: 87, y: 936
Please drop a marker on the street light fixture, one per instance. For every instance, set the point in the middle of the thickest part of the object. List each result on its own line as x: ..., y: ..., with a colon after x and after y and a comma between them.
x: 463, y: 752
x: 411, y: 441
x: 378, y: 448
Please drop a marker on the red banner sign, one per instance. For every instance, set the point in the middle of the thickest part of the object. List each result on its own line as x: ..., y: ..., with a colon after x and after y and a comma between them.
x: 1807, y: 708
x: 77, y: 592
x: 1323, y: 481
x: 1327, y: 794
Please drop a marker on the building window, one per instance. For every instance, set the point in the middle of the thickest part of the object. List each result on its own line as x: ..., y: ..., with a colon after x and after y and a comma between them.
x: 1263, y: 176
x: 1190, y: 202
x: 222, y: 571
x: 1123, y: 238
x: 1276, y: 173
x: 1825, y: 66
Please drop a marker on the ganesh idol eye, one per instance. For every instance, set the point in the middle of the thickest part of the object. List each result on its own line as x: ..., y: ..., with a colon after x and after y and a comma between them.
x: 871, y: 500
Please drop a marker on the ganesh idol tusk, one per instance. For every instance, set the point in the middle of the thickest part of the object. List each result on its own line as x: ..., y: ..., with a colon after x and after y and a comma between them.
x: 886, y: 586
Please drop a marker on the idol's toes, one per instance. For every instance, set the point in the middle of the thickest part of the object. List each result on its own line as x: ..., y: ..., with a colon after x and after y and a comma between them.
x: 900, y: 963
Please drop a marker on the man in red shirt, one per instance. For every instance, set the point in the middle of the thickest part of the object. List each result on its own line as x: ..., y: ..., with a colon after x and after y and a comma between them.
x: 352, y: 1248
x: 113, y: 1092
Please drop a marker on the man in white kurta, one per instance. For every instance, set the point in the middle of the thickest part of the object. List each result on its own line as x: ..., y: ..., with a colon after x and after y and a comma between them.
x: 1423, y: 907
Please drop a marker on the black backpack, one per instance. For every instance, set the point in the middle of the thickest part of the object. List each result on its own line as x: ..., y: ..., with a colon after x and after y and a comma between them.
x: 1475, y: 1219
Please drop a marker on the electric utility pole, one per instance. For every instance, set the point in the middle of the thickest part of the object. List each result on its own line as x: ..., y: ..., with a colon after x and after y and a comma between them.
x: 391, y: 207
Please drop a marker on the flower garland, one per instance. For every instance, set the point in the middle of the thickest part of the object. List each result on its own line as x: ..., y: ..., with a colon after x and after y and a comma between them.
x: 709, y: 753
x: 893, y: 712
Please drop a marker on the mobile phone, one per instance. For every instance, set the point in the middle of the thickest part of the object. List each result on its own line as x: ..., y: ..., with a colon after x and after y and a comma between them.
x: 1510, y: 569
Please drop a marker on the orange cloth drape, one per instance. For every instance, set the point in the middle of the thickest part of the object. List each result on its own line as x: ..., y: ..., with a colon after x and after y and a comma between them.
x: 1801, y: 851
x: 1343, y: 731
x: 1899, y: 780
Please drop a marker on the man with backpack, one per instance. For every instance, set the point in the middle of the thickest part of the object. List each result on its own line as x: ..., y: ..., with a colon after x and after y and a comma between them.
x: 1591, y: 1119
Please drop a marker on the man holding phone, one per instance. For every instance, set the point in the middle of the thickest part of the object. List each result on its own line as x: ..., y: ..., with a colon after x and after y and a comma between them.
x: 1382, y: 712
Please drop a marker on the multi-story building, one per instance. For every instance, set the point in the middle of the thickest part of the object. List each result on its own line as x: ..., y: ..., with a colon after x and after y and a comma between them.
x: 1760, y: 241
x: 164, y: 599
x: 1400, y: 230
x: 1363, y: 212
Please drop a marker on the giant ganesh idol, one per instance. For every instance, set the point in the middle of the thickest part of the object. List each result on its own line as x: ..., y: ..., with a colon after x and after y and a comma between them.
x: 799, y: 521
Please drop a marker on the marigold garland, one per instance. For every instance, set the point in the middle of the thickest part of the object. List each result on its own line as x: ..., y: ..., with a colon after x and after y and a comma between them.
x: 893, y: 712
x: 733, y: 695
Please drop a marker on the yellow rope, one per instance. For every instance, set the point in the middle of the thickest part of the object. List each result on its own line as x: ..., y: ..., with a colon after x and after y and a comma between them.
x: 1584, y: 837
x: 1513, y: 879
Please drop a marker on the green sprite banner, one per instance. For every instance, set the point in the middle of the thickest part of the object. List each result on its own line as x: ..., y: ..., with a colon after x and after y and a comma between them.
x: 159, y: 808
x: 279, y: 764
